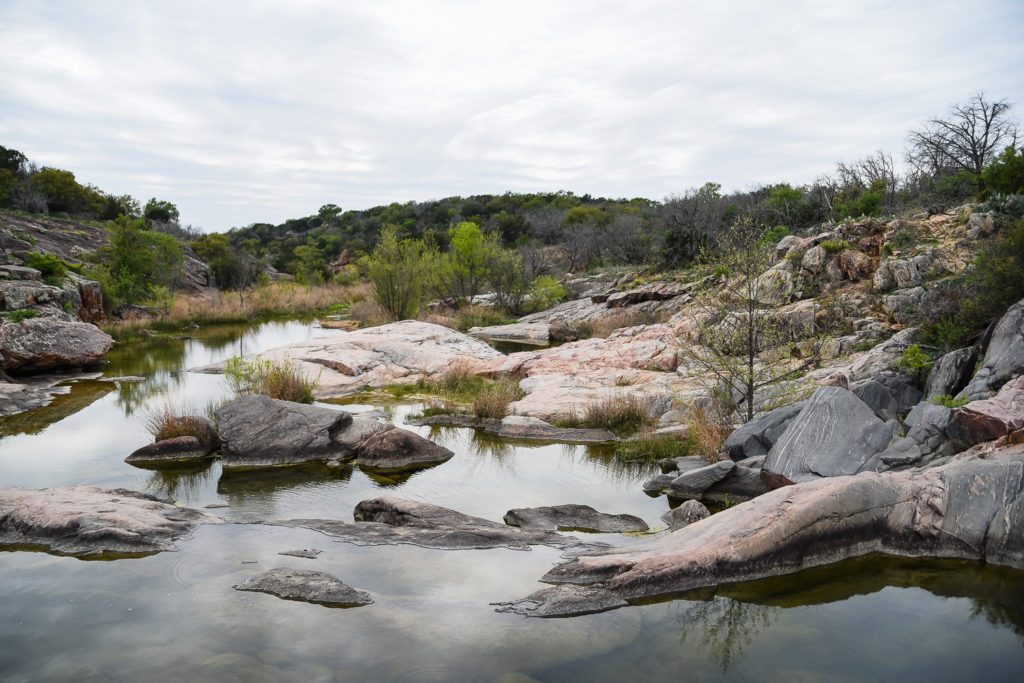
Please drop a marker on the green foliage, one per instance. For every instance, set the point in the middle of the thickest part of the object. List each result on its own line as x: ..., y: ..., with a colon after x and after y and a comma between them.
x: 863, y: 202
x: 949, y: 401
x: 158, y: 210
x: 60, y: 190
x: 47, y: 264
x: 1000, y: 272
x: 275, y: 379
x: 545, y: 292
x: 12, y: 160
x: 915, y: 363
x: 1005, y: 175
x: 949, y: 333
x: 137, y: 260
x: 22, y: 314
x: 25, y: 237
x: 775, y: 234
x: 835, y: 246
x: 480, y: 316
x: 466, y: 266
x: 650, y: 447
x: 400, y: 272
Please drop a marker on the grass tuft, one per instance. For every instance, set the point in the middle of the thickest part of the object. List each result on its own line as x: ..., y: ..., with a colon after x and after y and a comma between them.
x: 165, y: 423
x: 271, y: 378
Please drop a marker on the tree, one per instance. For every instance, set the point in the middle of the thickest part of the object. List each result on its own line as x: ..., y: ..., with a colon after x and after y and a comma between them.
x: 690, y: 220
x: 467, y: 269
x: 12, y: 160
x: 138, y: 260
x: 60, y: 189
x: 399, y: 271
x: 965, y: 140
x: 741, y: 341
x: 157, y: 210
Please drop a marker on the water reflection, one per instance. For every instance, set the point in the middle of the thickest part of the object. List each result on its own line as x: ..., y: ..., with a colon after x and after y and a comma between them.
x: 724, y: 627
x: 238, y: 485
x: 181, y: 482
x: 79, y: 395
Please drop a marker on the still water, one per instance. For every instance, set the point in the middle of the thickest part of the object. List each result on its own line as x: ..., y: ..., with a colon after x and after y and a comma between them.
x: 175, y: 616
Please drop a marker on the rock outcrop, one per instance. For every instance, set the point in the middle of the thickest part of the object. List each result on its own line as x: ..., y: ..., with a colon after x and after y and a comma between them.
x: 686, y: 514
x: 256, y: 431
x: 87, y: 520
x: 45, y: 344
x: 573, y: 518
x: 1004, y: 357
x: 306, y: 585
x: 177, y: 450
x: 972, y: 508
x: 835, y: 434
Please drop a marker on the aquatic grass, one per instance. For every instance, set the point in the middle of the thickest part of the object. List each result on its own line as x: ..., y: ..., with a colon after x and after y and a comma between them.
x: 648, y: 446
x: 276, y: 379
x: 709, y: 426
x: 493, y: 401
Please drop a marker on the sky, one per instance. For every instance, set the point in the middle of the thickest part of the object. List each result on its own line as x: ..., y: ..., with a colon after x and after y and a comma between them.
x: 243, y: 112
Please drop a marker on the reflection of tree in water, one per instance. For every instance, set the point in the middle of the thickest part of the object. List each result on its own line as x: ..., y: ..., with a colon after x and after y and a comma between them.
x: 725, y: 626
x: 159, y: 361
x: 617, y: 469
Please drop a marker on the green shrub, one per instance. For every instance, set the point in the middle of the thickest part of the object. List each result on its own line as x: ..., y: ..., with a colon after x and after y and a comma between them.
x: 775, y: 234
x: 949, y: 401
x: 481, y: 316
x: 49, y: 265
x: 276, y: 379
x: 648, y: 446
x: 949, y: 333
x: 23, y: 314
x: 545, y: 292
x: 915, y: 363
x: 835, y: 246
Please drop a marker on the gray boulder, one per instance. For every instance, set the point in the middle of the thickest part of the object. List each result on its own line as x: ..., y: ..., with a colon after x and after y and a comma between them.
x: 695, y: 482
x: 573, y: 518
x: 525, y: 427
x: 686, y: 514
x: 951, y: 373
x: 256, y: 431
x: 834, y: 435
x: 44, y: 344
x: 989, y: 418
x: 1004, y: 357
x: 306, y: 585
x: 889, y: 394
x: 742, y: 483
x: 760, y: 434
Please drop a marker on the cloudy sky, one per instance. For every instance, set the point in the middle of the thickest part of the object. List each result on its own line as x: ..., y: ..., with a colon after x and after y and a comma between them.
x: 241, y: 112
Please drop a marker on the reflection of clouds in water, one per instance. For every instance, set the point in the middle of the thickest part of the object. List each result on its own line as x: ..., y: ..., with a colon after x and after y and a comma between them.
x: 180, y: 483
x: 725, y: 627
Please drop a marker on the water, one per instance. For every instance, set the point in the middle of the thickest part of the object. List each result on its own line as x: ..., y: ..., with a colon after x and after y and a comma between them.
x: 175, y: 616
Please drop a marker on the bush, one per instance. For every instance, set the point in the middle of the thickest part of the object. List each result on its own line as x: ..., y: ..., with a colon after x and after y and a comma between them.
x: 480, y: 316
x: 23, y: 314
x: 47, y: 264
x: 275, y: 379
x: 835, y: 246
x: 545, y: 292
x: 493, y: 401
x: 709, y: 427
x: 915, y: 363
x: 163, y: 423
x: 949, y: 401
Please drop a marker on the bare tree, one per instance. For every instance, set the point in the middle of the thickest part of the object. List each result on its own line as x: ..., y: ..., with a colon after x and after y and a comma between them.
x: 876, y: 169
x: 965, y: 140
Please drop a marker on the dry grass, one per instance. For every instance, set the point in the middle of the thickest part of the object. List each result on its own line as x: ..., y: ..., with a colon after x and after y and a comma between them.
x: 709, y: 427
x: 603, y: 327
x: 166, y: 423
x: 622, y: 415
x: 368, y: 313
x: 493, y: 401
x: 275, y: 379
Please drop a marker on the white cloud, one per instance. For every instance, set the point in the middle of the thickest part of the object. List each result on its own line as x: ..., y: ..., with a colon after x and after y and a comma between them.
x: 266, y: 112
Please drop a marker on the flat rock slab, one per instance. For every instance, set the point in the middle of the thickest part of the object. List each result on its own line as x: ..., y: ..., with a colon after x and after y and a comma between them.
x: 524, y: 427
x: 520, y: 333
x: 87, y: 520
x: 44, y: 344
x: 180, y: 449
x: 971, y: 508
x: 573, y: 518
x: 306, y: 585
x: 307, y: 553
x: 391, y: 521
x: 257, y: 431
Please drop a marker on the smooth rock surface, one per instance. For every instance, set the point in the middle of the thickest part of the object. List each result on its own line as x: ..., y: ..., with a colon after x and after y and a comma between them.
x: 306, y: 586
x: 951, y: 373
x: 43, y: 344
x: 524, y: 427
x: 695, y: 482
x: 760, y: 434
x: 1004, y: 357
x: 834, y: 435
x: 971, y: 508
x: 989, y: 418
x: 87, y: 520
x: 256, y: 431
x: 177, y: 449
x: 573, y: 518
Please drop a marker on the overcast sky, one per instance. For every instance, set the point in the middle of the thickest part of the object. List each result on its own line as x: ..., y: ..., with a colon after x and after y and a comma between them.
x: 240, y: 112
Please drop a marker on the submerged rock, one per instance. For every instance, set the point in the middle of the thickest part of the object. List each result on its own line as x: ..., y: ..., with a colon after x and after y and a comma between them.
x: 686, y: 514
x: 971, y: 508
x: 391, y: 521
x: 88, y: 520
x: 306, y: 586
x: 256, y: 431
x: 573, y: 518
